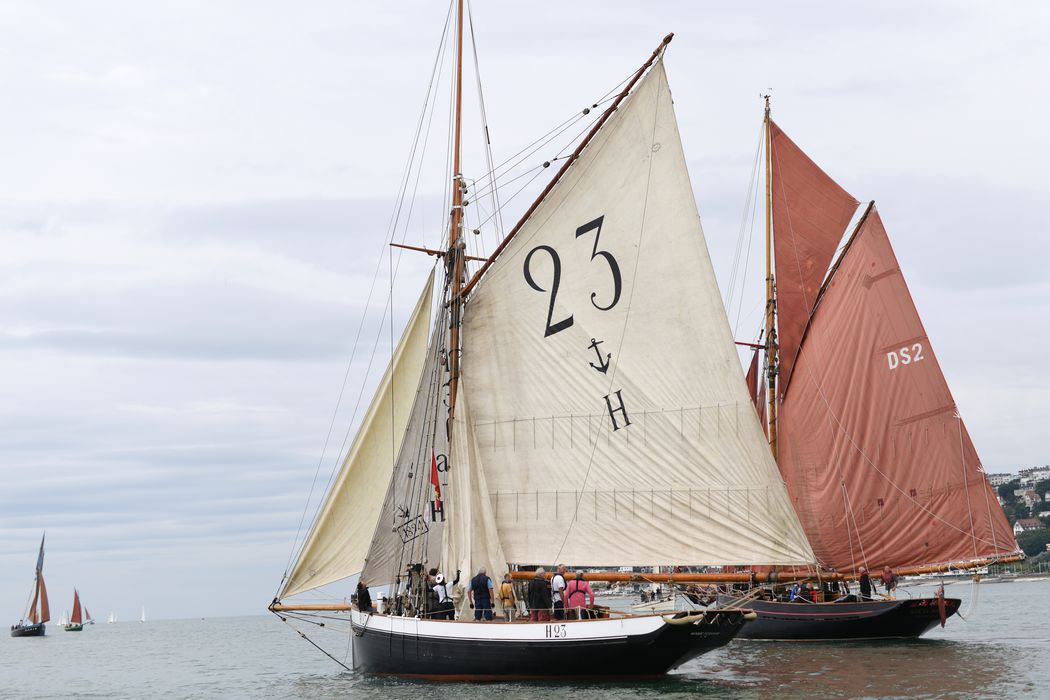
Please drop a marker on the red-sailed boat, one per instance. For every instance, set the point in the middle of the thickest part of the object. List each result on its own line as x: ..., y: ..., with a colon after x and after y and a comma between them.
x: 39, y: 612
x: 879, y: 465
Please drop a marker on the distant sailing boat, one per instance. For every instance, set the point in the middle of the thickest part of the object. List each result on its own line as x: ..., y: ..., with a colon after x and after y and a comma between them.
x: 38, y: 612
x: 88, y: 620
x: 142, y: 618
x: 112, y: 618
x: 76, y: 620
x: 878, y: 462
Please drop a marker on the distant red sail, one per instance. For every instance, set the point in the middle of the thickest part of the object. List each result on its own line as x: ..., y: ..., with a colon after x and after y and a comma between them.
x: 45, y: 609
x: 810, y: 214
x: 75, y: 618
x: 878, y: 463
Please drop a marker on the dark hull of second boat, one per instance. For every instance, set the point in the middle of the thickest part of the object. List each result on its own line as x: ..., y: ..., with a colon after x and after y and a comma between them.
x: 870, y: 620
x: 631, y: 657
x: 36, y: 630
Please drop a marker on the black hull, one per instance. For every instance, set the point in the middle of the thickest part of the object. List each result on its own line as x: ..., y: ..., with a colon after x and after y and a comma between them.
x: 627, y: 656
x: 36, y: 630
x: 877, y: 619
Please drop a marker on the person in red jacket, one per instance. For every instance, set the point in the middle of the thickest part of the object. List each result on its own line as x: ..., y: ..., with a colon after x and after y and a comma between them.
x: 576, y: 597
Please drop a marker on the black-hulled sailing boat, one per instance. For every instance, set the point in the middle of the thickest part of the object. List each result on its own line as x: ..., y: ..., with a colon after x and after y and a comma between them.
x: 76, y: 620
x: 38, y: 612
x: 878, y: 462
x: 554, y: 416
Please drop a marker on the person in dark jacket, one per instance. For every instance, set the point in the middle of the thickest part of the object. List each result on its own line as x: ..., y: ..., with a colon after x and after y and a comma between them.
x: 364, y: 598
x: 539, y: 598
x: 480, y: 595
x: 865, y: 584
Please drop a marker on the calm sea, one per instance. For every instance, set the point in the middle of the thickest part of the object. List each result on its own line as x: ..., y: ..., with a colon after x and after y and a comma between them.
x: 1002, y: 651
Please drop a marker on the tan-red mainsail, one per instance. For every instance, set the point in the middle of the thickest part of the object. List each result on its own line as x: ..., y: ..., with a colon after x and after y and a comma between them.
x: 76, y: 618
x: 810, y: 214
x: 878, y: 462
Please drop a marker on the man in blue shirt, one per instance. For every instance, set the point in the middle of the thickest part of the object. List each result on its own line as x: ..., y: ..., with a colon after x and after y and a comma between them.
x: 480, y: 595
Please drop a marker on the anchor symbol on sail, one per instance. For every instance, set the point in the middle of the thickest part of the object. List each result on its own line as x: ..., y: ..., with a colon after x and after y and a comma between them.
x: 603, y: 365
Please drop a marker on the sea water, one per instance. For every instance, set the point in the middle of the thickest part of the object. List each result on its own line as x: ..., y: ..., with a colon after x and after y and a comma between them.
x: 1002, y: 651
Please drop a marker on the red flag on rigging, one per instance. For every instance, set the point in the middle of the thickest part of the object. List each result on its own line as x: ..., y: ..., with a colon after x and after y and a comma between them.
x: 434, y: 478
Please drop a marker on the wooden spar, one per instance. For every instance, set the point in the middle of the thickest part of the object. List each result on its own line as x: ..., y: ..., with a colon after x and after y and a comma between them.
x: 771, y: 341
x: 430, y: 251
x: 749, y: 345
x: 310, y: 607
x: 785, y: 575
x: 764, y: 577
x: 455, y: 244
x: 568, y: 163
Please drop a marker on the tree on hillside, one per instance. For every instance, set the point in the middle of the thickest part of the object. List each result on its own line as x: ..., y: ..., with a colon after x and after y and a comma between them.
x: 1041, y: 487
x: 1034, y: 541
x: 1006, y: 491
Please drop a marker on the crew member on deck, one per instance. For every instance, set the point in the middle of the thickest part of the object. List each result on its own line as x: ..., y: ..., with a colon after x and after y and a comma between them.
x: 558, y: 592
x: 364, y: 598
x: 539, y: 598
x: 480, y: 595
x: 446, y: 607
x: 576, y: 594
x: 506, y: 596
x: 865, y: 584
x: 889, y: 582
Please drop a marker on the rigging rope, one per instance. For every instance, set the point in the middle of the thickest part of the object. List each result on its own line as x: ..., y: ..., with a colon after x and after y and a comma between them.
x: 749, y: 212
x: 392, y: 228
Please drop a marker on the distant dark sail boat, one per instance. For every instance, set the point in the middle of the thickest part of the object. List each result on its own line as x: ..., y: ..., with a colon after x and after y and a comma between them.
x: 76, y: 620
x: 880, y: 467
x: 565, y: 406
x: 39, y: 612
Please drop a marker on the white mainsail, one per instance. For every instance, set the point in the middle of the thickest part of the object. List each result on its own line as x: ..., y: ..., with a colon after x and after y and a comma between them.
x: 340, y: 536
x: 609, y: 421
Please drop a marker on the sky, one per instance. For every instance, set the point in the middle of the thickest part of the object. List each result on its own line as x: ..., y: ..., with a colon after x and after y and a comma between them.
x: 194, y: 199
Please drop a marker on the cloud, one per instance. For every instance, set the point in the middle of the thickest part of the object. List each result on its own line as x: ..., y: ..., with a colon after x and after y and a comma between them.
x: 196, y: 198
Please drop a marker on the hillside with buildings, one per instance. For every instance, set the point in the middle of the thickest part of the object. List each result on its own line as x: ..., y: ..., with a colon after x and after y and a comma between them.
x: 1025, y: 498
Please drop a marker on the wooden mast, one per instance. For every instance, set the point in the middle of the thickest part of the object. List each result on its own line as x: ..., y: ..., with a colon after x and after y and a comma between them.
x: 454, y: 259
x: 771, y: 341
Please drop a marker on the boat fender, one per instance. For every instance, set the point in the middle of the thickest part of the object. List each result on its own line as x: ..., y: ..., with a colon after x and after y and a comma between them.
x: 683, y: 619
x: 750, y: 615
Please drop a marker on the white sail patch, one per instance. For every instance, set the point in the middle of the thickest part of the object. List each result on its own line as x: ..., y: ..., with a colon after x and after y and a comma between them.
x: 601, y: 330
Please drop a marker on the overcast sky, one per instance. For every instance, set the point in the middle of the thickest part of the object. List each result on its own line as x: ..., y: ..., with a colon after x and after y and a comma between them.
x: 194, y: 196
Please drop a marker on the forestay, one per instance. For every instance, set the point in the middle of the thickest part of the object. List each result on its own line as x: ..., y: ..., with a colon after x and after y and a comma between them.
x: 608, y: 414
x: 339, y: 539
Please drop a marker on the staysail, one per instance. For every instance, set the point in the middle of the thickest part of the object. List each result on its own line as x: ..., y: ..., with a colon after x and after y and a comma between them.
x: 412, y: 519
x: 607, y: 415
x: 339, y: 538
x: 876, y: 457
x: 810, y: 214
